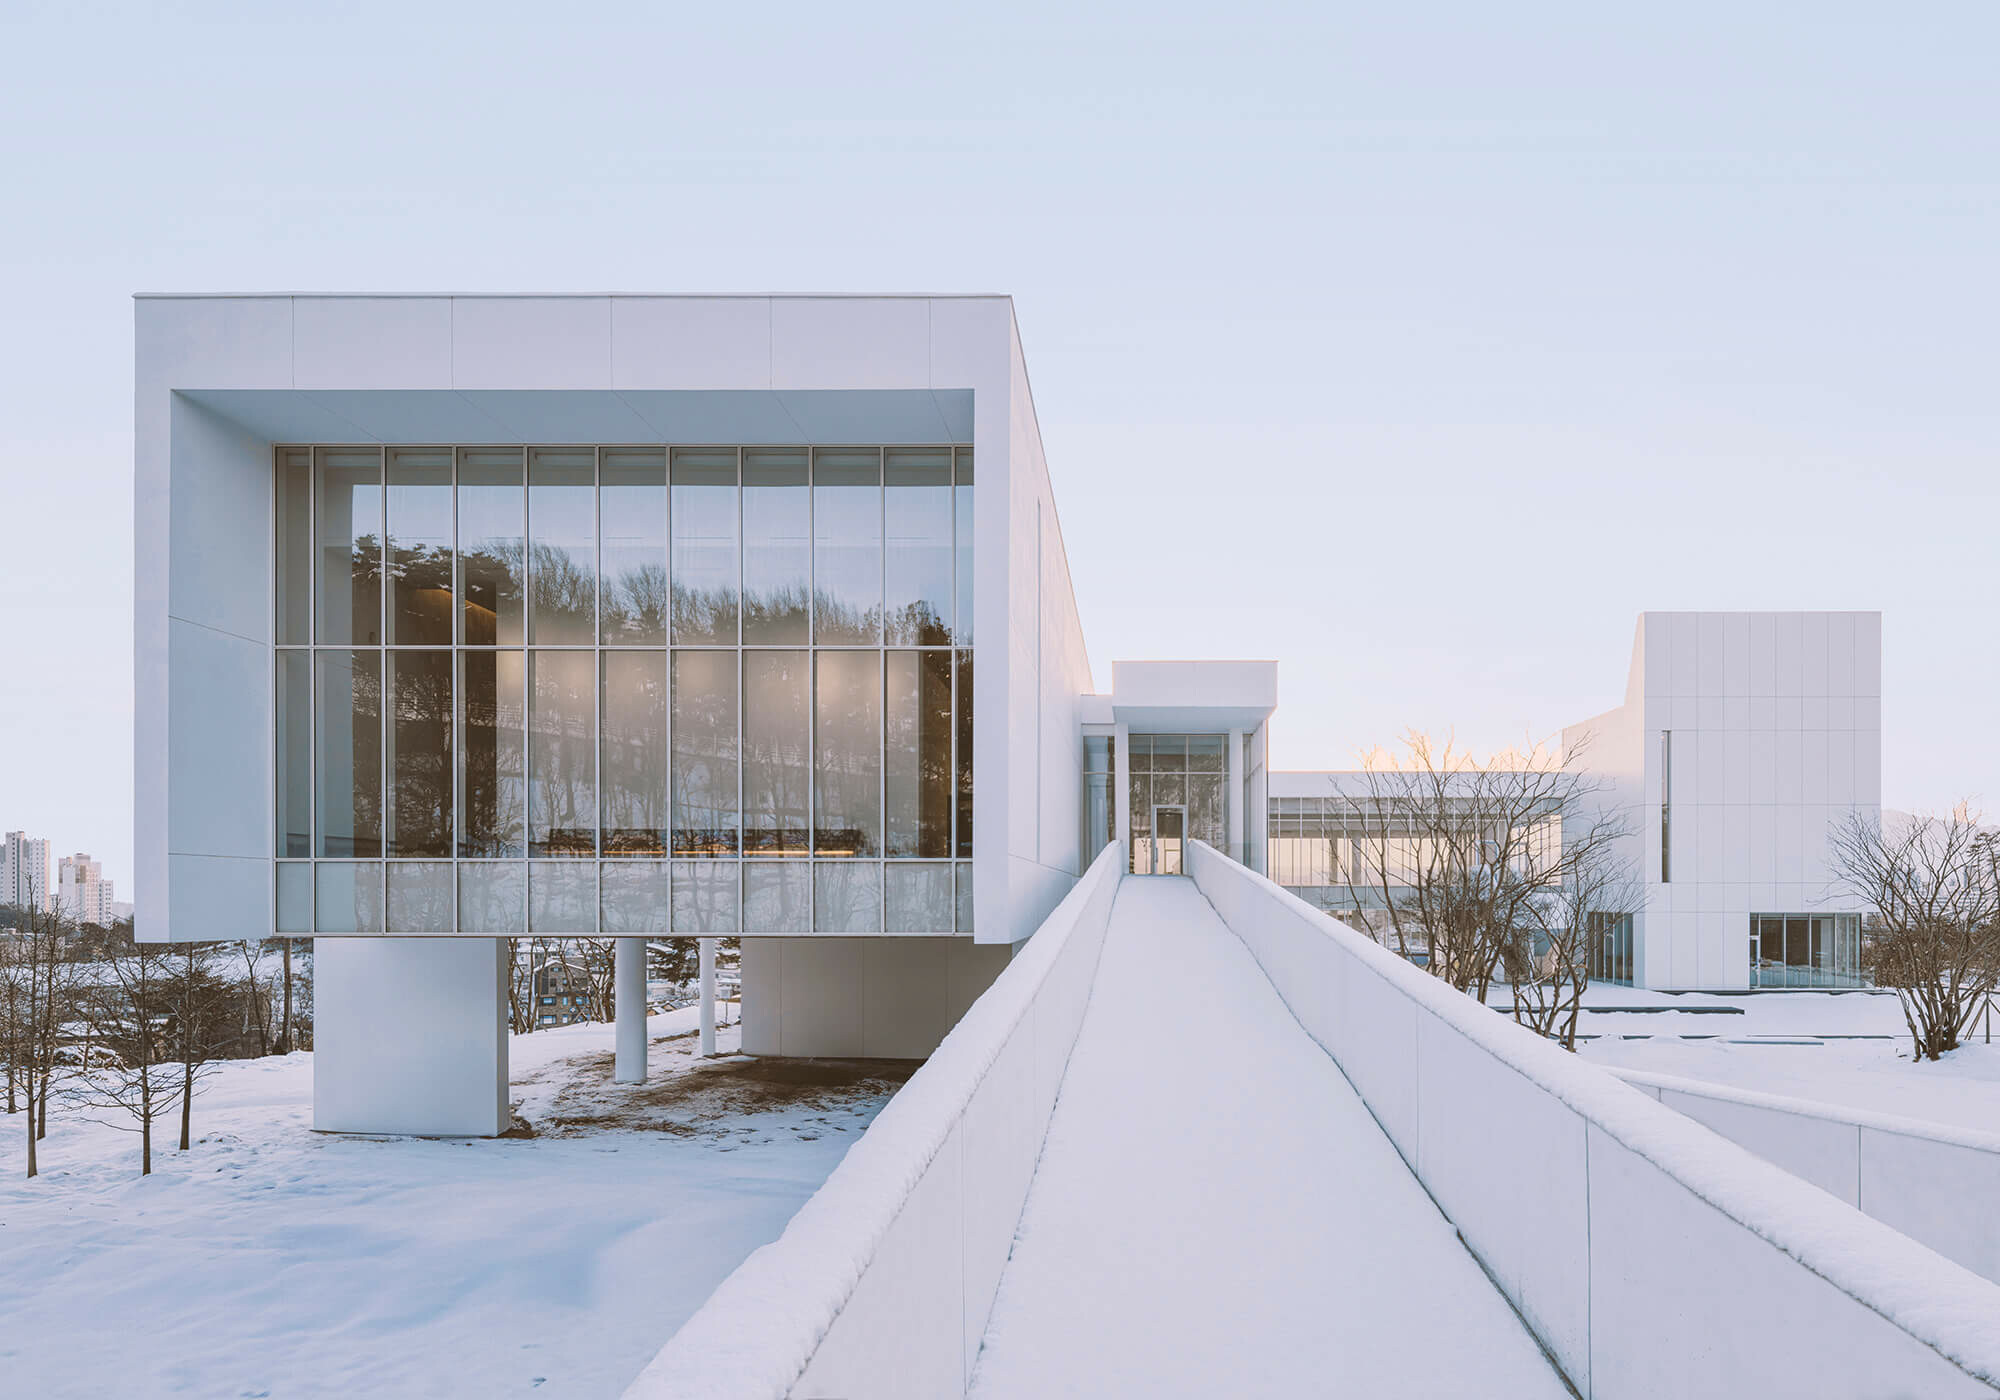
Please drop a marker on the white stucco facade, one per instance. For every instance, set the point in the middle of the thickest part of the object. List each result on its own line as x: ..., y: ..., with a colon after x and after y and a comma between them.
x: 1775, y: 717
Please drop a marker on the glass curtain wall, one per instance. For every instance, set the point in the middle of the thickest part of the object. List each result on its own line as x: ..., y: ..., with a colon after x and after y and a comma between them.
x: 1100, y: 802
x: 1806, y: 950
x: 624, y: 690
x: 1178, y: 770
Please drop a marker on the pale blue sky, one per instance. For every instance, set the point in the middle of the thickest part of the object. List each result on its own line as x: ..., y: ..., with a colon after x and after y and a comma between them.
x: 1417, y: 347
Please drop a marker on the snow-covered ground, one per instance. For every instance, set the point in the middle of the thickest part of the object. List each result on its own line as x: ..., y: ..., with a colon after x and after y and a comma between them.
x: 273, y: 1261
x: 1848, y: 1048
x: 1218, y: 1214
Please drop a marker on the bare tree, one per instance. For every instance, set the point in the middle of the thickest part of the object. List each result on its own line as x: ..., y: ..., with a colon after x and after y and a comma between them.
x: 42, y: 978
x: 197, y: 999
x: 130, y: 1013
x: 1487, y: 866
x: 256, y: 1009
x: 1933, y: 889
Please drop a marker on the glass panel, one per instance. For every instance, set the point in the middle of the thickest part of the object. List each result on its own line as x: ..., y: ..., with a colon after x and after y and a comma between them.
x: 777, y: 896
x: 349, y: 510
x: 635, y: 895
x: 420, y: 896
x: 917, y: 510
x: 420, y: 762
x: 777, y: 779
x: 847, y: 547
x: 347, y: 896
x: 632, y: 500
x: 294, y: 756
x: 918, y: 754
x: 1170, y: 788
x: 1206, y: 819
x: 492, y: 897
x: 1170, y: 753
x: 847, y: 723
x: 704, y: 563
x: 294, y: 897
x: 1096, y: 753
x: 965, y: 897
x: 634, y: 772
x: 347, y: 753
x: 562, y: 896
x: 1205, y: 752
x: 562, y: 754
x: 492, y: 796
x: 1100, y: 817
x: 295, y: 549
x: 847, y: 896
x: 491, y: 552
x: 420, y: 604
x: 777, y: 546
x: 1139, y: 749
x: 964, y: 547
x: 1797, y: 948
x: 962, y: 697
x: 705, y: 896
x: 917, y: 898
x: 705, y: 759
x: 562, y: 537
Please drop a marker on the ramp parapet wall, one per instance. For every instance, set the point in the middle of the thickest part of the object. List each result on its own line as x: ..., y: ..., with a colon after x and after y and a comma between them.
x: 1936, y: 1183
x: 882, y: 1283
x: 1648, y: 1254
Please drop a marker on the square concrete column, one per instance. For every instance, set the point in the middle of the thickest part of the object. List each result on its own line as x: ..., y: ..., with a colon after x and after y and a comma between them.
x: 1121, y: 768
x: 708, y: 996
x: 629, y: 1011
x: 1234, y: 782
x: 411, y: 1036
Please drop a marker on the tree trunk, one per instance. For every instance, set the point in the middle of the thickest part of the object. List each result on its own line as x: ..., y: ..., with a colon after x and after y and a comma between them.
x: 285, y: 1034
x: 187, y: 1100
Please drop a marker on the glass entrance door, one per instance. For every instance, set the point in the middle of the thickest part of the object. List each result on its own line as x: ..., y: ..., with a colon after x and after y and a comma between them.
x: 1169, y: 824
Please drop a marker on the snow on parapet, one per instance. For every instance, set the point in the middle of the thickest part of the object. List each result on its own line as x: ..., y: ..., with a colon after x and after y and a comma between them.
x: 761, y: 1328
x: 1947, y: 1308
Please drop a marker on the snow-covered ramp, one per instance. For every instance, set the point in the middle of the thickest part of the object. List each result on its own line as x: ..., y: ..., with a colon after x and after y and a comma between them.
x: 1216, y: 1213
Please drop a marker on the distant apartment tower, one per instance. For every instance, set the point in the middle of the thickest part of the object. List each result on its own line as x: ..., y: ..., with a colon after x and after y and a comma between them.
x: 84, y: 893
x: 24, y: 871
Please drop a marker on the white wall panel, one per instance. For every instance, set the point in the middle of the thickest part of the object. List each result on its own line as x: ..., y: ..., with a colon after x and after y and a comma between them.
x: 372, y: 342
x: 531, y: 342
x: 1814, y: 663
x: 691, y: 342
x: 851, y: 343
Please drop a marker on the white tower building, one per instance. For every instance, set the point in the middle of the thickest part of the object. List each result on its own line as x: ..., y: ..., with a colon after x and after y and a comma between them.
x: 24, y: 871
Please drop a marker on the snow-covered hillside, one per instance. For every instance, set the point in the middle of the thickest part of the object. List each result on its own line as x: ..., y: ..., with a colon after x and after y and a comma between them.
x: 273, y: 1261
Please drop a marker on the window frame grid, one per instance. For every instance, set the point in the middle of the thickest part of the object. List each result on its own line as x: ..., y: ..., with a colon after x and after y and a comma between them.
x: 954, y: 647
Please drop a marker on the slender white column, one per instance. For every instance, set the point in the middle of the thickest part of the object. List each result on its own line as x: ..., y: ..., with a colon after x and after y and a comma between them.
x: 1121, y: 768
x: 708, y: 996
x: 629, y: 1007
x: 1234, y: 782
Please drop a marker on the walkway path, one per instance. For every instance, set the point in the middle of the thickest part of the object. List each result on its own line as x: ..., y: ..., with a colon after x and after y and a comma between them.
x: 1216, y: 1213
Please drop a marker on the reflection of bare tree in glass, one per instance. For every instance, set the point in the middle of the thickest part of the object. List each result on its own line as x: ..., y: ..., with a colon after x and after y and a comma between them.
x: 918, y: 624
x: 420, y: 594
x: 848, y: 754
x: 964, y: 832
x: 491, y: 577
x: 420, y: 778
x: 919, y: 754
x: 635, y: 776
x: 704, y: 614
x: 705, y: 754
x: 565, y: 595
x: 491, y: 743
x: 776, y: 614
x: 841, y: 623
x: 351, y: 781
x: 637, y: 604
x: 776, y: 786
x: 562, y: 786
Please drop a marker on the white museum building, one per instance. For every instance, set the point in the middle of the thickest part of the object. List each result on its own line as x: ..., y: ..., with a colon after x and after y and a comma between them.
x: 466, y: 618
